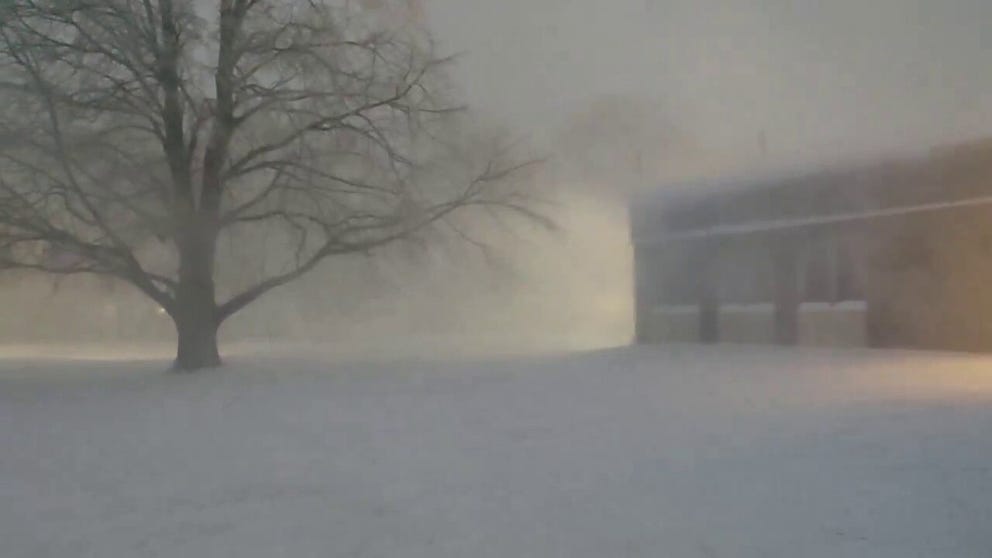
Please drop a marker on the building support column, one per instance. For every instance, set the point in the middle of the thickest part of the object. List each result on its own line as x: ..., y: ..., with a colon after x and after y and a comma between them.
x: 708, y: 293
x: 787, y: 292
x: 644, y: 293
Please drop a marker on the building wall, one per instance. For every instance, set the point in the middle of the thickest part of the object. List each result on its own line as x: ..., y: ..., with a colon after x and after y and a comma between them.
x: 747, y: 323
x: 843, y: 324
x: 929, y: 282
x: 922, y: 281
x: 922, y: 278
x: 744, y: 281
x: 670, y: 324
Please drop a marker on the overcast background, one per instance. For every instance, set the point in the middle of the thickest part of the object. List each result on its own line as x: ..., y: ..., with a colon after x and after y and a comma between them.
x: 823, y: 79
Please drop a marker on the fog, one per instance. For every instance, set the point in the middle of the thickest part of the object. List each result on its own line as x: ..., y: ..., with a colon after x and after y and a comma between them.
x: 615, y: 95
x: 818, y: 77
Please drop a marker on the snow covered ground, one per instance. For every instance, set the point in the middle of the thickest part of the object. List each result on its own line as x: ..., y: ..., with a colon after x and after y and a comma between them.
x: 648, y: 451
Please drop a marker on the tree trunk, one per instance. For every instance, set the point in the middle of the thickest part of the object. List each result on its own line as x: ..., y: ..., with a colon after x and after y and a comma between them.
x: 195, y: 313
x: 197, y: 342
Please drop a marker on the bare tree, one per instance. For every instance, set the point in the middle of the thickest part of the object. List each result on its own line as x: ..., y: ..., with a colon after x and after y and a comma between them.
x: 136, y: 135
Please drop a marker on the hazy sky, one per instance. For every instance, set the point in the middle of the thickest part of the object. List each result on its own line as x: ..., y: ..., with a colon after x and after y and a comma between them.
x: 822, y: 77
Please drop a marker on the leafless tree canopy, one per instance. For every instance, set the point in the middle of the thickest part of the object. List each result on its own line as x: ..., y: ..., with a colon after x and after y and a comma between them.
x: 134, y: 134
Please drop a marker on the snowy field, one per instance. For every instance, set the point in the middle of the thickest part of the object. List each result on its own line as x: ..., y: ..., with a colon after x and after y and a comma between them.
x: 657, y: 452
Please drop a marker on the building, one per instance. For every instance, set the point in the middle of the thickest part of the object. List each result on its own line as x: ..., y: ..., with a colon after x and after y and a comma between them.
x: 895, y: 253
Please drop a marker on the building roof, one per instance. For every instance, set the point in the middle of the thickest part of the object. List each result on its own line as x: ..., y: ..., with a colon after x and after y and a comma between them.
x: 942, y: 178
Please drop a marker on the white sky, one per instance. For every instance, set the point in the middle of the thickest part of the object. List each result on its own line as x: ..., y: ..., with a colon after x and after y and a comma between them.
x: 822, y: 77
